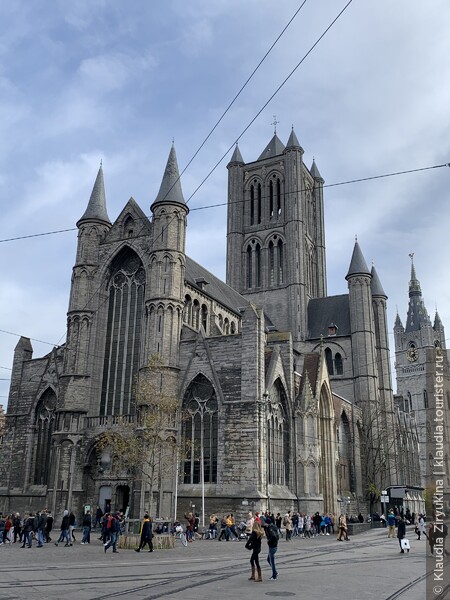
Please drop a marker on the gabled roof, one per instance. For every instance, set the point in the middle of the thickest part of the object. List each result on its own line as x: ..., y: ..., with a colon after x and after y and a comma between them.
x: 216, y: 288
x: 322, y: 312
x: 96, y: 208
x: 310, y: 371
x: 274, y: 148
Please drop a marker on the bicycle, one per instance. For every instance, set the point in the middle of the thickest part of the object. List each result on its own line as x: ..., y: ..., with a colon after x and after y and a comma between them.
x: 179, y: 534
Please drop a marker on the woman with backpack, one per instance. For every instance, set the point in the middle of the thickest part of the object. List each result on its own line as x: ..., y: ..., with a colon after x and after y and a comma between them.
x: 254, y: 544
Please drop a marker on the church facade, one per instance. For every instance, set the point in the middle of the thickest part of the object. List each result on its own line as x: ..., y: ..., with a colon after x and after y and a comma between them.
x: 283, y: 392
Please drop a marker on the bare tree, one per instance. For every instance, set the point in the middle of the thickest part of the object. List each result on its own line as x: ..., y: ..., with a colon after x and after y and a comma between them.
x: 146, y: 450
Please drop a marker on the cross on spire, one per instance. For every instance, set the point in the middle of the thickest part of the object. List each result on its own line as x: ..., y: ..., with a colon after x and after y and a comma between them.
x: 275, y: 123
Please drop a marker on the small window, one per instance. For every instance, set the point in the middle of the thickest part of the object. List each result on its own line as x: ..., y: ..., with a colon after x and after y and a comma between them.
x: 338, y: 364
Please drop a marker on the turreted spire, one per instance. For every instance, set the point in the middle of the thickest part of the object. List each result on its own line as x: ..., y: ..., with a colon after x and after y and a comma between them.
x: 375, y: 284
x: 170, y: 190
x: 293, y: 141
x: 398, y: 321
x: 96, y: 208
x: 237, y: 156
x: 315, y: 172
x: 417, y: 313
x: 274, y: 148
x: 414, y: 284
x: 437, y: 322
x: 358, y: 265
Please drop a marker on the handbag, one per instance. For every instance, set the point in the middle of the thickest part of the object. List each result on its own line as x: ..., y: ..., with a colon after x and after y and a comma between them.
x: 249, y: 544
x: 405, y: 544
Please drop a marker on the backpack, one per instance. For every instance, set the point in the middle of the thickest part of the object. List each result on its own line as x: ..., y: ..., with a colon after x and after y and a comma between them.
x: 272, y: 533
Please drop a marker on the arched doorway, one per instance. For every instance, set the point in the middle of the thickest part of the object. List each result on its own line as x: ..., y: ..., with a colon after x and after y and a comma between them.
x: 122, y: 498
x: 328, y: 485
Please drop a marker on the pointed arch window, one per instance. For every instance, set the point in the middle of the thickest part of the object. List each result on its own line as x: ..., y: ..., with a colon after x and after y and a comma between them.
x: 44, y: 422
x: 252, y: 205
x: 187, y: 314
x: 280, y: 262
x: 338, y: 364
x: 271, y: 194
x: 249, y: 267
x: 258, y: 265
x: 329, y: 361
x: 278, y: 433
x: 259, y: 204
x: 278, y: 198
x: 126, y: 289
x: 205, y: 317
x: 200, y: 432
x: 271, y: 264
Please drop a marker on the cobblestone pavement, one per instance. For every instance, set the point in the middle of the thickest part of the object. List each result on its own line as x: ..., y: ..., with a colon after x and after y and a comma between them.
x: 369, y: 566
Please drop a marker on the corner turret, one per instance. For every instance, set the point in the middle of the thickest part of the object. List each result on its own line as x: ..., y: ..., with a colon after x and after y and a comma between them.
x: 96, y: 209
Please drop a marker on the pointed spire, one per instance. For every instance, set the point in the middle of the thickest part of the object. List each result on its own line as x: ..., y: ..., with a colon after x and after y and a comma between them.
x: 293, y: 141
x: 315, y: 172
x: 358, y: 265
x: 417, y: 313
x: 375, y: 285
x: 274, y: 148
x: 96, y: 208
x: 398, y: 321
x: 237, y: 156
x: 414, y: 284
x: 170, y: 190
x: 437, y: 322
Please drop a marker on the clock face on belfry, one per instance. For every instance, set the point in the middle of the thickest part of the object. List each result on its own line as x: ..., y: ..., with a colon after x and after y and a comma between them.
x: 412, y: 353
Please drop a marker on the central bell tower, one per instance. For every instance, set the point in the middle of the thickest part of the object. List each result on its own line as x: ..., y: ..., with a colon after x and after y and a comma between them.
x: 275, y: 233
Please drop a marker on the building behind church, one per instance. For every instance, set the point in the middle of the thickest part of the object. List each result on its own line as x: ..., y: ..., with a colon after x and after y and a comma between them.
x: 284, y: 393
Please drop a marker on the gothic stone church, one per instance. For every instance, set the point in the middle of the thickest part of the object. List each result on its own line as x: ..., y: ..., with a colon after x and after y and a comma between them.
x: 286, y: 379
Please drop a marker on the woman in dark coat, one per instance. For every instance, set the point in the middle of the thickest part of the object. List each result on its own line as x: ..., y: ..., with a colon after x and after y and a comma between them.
x: 254, y: 544
x: 401, y: 532
x: 146, y: 534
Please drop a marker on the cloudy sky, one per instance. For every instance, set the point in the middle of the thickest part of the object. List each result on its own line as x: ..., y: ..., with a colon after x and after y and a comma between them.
x: 109, y: 80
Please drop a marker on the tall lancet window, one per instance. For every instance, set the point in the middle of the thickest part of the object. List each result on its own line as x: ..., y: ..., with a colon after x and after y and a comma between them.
x: 126, y: 289
x: 200, y: 432
x: 277, y: 442
x: 44, y: 421
x: 280, y: 262
x: 271, y: 264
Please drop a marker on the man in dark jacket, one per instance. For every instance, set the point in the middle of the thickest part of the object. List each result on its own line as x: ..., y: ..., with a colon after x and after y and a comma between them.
x: 42, y: 523
x: 64, y: 535
x: 114, y: 530
x: 146, y: 534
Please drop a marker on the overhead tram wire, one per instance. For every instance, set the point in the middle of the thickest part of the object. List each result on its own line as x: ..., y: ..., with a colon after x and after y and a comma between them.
x: 256, y: 116
x: 220, y: 119
x: 209, y: 206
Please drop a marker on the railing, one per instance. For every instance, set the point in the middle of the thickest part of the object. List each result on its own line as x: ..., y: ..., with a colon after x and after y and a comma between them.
x: 108, y: 420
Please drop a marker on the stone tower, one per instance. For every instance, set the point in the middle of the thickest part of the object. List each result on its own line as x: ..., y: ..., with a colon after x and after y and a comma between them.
x: 423, y: 378
x: 276, y: 239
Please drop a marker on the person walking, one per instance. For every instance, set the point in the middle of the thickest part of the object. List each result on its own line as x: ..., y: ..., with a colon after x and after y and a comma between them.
x: 287, y: 522
x: 272, y: 536
x: 48, y: 527
x: 64, y: 535
x: 27, y: 529
x: 146, y: 534
x: 87, y: 524
x: 391, y: 524
x: 254, y: 544
x: 42, y: 524
x: 72, y: 525
x: 401, y: 532
x: 431, y: 535
x: 342, y: 529
x: 114, y: 530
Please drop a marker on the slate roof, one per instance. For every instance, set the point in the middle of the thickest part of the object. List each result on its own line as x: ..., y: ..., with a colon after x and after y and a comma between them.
x: 324, y: 311
x: 358, y: 265
x: 375, y: 285
x: 315, y: 171
x: 274, y: 148
x: 170, y: 190
x: 96, y: 208
x: 310, y: 368
x: 216, y: 288
x: 293, y: 141
x: 237, y: 156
